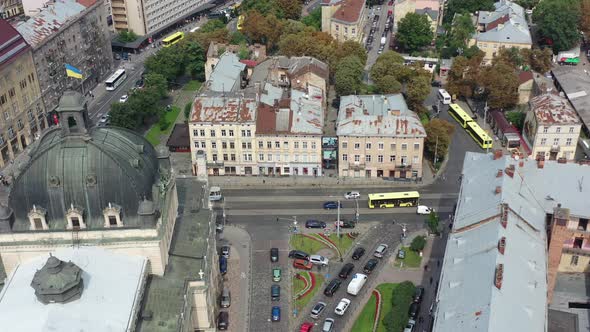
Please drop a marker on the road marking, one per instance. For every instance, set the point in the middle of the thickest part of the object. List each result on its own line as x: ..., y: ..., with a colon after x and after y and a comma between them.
x: 287, y: 198
x: 243, y: 275
x: 304, y: 211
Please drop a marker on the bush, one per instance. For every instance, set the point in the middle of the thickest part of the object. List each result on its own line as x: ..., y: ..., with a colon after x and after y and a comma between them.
x: 433, y: 222
x: 418, y: 243
x: 396, y: 319
x: 187, y: 110
x: 163, y: 123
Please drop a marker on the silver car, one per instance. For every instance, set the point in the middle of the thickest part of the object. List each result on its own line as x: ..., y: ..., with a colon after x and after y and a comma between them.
x: 328, y: 325
x: 380, y: 251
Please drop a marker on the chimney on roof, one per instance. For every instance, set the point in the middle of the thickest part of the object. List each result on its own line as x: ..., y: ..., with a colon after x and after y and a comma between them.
x: 499, y: 174
x: 498, y: 154
x: 395, y: 112
x: 562, y: 161
x: 510, y: 171
x: 541, y: 163
x: 498, y: 189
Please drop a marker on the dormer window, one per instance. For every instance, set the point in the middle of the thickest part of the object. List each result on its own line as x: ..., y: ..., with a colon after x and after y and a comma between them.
x: 74, y: 217
x: 112, y: 216
x: 37, y: 219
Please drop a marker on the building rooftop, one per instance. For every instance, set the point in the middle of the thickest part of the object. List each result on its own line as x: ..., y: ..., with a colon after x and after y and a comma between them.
x: 506, y: 24
x: 266, y: 71
x: 377, y: 115
x: 12, y: 43
x: 552, y: 109
x: 109, y: 302
x: 349, y: 11
x: 525, y: 76
x: 49, y: 20
x: 432, y: 13
x: 223, y: 109
x: 575, y: 83
x: 227, y: 74
x: 179, y: 137
x: 569, y: 287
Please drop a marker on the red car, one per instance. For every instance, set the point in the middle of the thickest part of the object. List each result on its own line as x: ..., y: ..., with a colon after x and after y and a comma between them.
x: 302, y: 264
x: 306, y: 327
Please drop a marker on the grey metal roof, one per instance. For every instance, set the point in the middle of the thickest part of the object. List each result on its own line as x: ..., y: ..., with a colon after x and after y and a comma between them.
x: 114, y: 165
x: 226, y: 74
x: 575, y: 83
x: 377, y: 115
x: 513, y: 30
x: 308, y: 115
x: 467, y: 297
x: 428, y: 11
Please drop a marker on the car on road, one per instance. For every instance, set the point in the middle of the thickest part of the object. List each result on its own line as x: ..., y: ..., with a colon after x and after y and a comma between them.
x: 381, y: 48
x: 225, y: 251
x: 315, y: 224
x: 358, y: 253
x: 423, y: 209
x: 276, y: 314
x: 222, y: 265
x: 306, y: 327
x: 436, y: 84
x: 380, y: 251
x: 117, y: 56
x: 104, y: 120
x: 275, y: 292
x: 225, y: 300
x: 298, y: 254
x: 342, y: 306
x: 414, y: 310
x: 139, y: 83
x: 418, y: 294
x: 346, y: 270
x: 319, y: 260
x: 276, y: 274
x: 223, y: 320
x: 332, y: 205
x: 401, y: 254
x: 328, y: 325
x: 352, y: 195
x: 344, y: 224
x: 332, y: 287
x: 370, y: 266
x: 123, y: 98
x: 274, y: 254
x: 410, y: 326
x: 302, y: 264
x: 218, y: 227
x: 317, y: 310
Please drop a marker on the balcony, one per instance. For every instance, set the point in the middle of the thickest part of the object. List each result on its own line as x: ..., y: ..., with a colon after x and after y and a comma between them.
x: 356, y: 165
x: 577, y: 251
x: 215, y: 164
x: 403, y: 167
x: 554, y: 148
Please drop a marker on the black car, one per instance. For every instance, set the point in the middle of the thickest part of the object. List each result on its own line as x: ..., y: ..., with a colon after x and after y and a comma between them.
x: 345, y: 271
x: 223, y: 265
x: 414, y: 310
x: 298, y: 254
x: 332, y: 287
x: 274, y: 254
x: 315, y: 224
x: 370, y: 266
x: 223, y: 320
x: 358, y: 253
x: 418, y: 294
x: 139, y: 83
x: 436, y: 84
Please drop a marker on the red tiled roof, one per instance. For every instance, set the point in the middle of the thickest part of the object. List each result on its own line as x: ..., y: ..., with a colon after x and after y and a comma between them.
x: 525, y: 76
x: 497, y: 22
x: 266, y: 119
x: 249, y: 63
x: 349, y: 11
x: 86, y: 3
x: 12, y: 44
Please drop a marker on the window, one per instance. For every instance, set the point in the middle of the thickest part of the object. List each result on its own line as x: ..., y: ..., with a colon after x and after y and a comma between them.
x: 260, y: 144
x: 243, y: 145
x: 278, y: 157
x: 37, y: 218
x: 545, y: 129
x: 223, y: 132
x: 261, y: 156
x: 574, y: 260
x: 568, y: 142
x: 112, y: 221
x: 248, y: 133
x: 337, y: 27
x: 556, y: 141
x: 247, y: 157
x: 304, y: 145
x: 202, y: 131
x: 357, y: 146
x: 345, y: 145
x: 243, y: 133
x: 296, y: 145
x: 225, y: 157
x: 353, y: 31
x: 295, y: 157
x: 344, y: 157
x: 285, y: 145
x: 277, y: 144
x: 203, y: 145
x: 404, y: 146
x: 232, y: 157
x: 357, y: 158
x: 269, y: 145
x: 380, y: 158
x: 196, y: 144
x: 224, y: 145
x: 416, y: 146
x: 558, y: 130
x: 346, y: 30
x: 285, y: 169
x: 380, y: 146
x: 368, y: 146
x: 416, y: 160
x: 74, y: 217
x: 213, y: 145
x: 232, y: 145
x: 391, y: 159
x: 212, y: 133
x: 571, y: 130
x: 231, y: 133
x: 313, y: 145
x: 214, y: 157
x: 286, y: 158
x: 195, y: 132
x: 368, y: 158
x: 393, y: 147
x: 543, y: 141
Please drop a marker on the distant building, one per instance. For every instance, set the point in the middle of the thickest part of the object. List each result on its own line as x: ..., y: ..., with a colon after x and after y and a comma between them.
x: 379, y: 136
x: 68, y: 32
x: 552, y: 128
x: 215, y: 50
x: 11, y: 8
x: 505, y: 27
x: 525, y: 86
x: 344, y: 19
x: 23, y: 113
x: 431, y: 8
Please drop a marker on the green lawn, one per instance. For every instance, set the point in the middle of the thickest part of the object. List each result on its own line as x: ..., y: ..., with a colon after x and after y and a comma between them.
x: 153, y: 135
x: 364, y: 322
x: 399, y: 317
x: 386, y: 291
x: 298, y: 285
x: 412, y: 259
x: 192, y: 86
x: 303, y: 243
x: 344, y: 243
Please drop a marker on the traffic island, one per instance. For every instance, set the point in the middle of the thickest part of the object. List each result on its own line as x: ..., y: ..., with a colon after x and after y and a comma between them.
x: 313, y: 243
x: 391, y: 312
x: 305, y: 286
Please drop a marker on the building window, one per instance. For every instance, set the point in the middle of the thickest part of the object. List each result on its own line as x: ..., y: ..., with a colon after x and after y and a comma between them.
x: 232, y: 145
x: 269, y: 145
x: 368, y: 158
x: 244, y: 145
x: 269, y: 157
x: 574, y: 260
x: 353, y: 31
x: 296, y: 145
x: 380, y: 158
x: 313, y: 145
x: 545, y: 129
x: 212, y: 133
x: 214, y: 157
x: 304, y: 145
x: 393, y: 147
x: 233, y: 157
x: 568, y: 142
x: 571, y: 130
x: 223, y: 133
x: 261, y: 156
x: 277, y: 144
x: 558, y: 130
x: 357, y: 146
x: 74, y: 217
x: 543, y: 141
x: 196, y: 144
x: 203, y: 145
x: 416, y: 159
x: 404, y: 146
x: 248, y: 133
x: 225, y: 157
x: 556, y: 141
x: 195, y: 132
x: 357, y: 158
x: 112, y: 216
x: 231, y: 133
x: 391, y: 159
x: 368, y: 146
x: 224, y: 145
x: 344, y: 157
x: 286, y: 170
x: 295, y: 157
x: 37, y: 219
x: 380, y: 146
x: 286, y: 157
x: 337, y: 27
x: 277, y: 157
x: 260, y: 145
x: 345, y: 145
x: 345, y: 30
x: 416, y: 146
x: 285, y: 145
x: 213, y: 145
x: 202, y: 131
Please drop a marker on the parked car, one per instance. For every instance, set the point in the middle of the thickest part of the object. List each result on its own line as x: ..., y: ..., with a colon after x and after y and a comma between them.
x: 331, y: 205
x: 342, y: 306
x: 139, y: 83
x: 358, y: 253
x: 225, y: 301
x: 104, y: 119
x: 436, y: 84
x: 332, y: 287
x: 346, y: 270
x: 225, y: 251
x: 275, y: 292
x: 345, y: 224
x: 328, y: 325
x: 276, y: 274
x: 223, y: 320
x: 410, y: 326
x: 302, y: 264
x: 414, y: 310
x: 401, y: 254
x: 370, y: 266
x: 356, y: 284
x: 274, y: 254
x: 352, y: 195
x: 117, y: 56
x: 380, y: 251
x: 318, y: 309
x: 319, y: 260
x: 222, y: 265
x: 298, y: 254
x: 276, y: 313
x: 123, y: 98
x: 315, y: 224
x: 423, y: 209
x: 418, y: 294
x: 306, y: 327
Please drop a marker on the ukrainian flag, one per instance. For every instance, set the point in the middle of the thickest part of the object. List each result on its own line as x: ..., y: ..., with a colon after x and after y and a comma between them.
x: 72, y: 71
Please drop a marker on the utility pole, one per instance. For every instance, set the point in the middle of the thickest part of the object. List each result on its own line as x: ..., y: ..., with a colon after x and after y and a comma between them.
x: 485, y: 113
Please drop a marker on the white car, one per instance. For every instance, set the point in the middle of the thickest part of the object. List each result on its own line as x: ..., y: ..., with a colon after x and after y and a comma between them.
x: 123, y: 98
x: 342, y: 306
x: 352, y: 195
x: 319, y: 260
x: 423, y: 209
x: 380, y: 251
x: 410, y: 326
x: 104, y: 119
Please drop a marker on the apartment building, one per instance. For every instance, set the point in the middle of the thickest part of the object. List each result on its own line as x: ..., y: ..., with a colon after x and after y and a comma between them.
x: 552, y: 128
x: 23, y: 114
x: 149, y: 16
x: 505, y: 26
x: 11, y: 8
x: 378, y: 136
x: 216, y: 50
x: 344, y: 19
x: 69, y: 32
x: 431, y: 8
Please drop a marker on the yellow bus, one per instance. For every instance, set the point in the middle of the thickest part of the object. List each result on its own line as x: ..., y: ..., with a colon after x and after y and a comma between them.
x: 479, y: 135
x: 389, y: 200
x: 240, y: 22
x: 460, y: 115
x: 173, y: 39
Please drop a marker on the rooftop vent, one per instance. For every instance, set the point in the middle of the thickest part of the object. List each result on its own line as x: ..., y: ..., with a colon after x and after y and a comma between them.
x: 498, y: 189
x: 498, y: 154
x: 499, y: 174
x: 504, y: 215
x: 510, y: 171
x: 562, y: 161
x: 499, y: 276
x: 502, y: 245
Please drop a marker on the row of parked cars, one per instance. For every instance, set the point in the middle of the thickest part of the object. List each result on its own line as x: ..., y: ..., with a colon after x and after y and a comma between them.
x: 414, y: 309
x: 356, y: 283
x: 225, y: 299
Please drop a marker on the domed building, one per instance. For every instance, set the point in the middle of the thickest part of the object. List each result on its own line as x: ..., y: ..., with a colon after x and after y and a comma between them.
x: 100, y: 186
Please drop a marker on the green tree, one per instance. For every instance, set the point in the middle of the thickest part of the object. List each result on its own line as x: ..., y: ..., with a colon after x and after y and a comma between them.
x: 401, y: 297
x: 292, y: 26
x: 212, y: 25
x: 262, y: 29
x: 350, y: 47
x: 123, y: 115
x: 195, y: 60
x: 433, y: 222
x: 540, y: 59
x: 314, y: 19
x: 418, y: 243
x: 264, y: 7
x: 168, y: 62
x: 388, y: 84
x: 414, y: 32
x: 157, y: 84
x: 438, y: 137
x: 500, y: 81
x: 516, y: 118
x: 418, y: 89
x: 527, y: 4
x: 291, y: 9
x: 237, y: 38
x: 187, y: 111
x: 558, y: 21
x: 127, y: 36
x: 466, y: 6
x: 585, y: 17
x: 348, y: 76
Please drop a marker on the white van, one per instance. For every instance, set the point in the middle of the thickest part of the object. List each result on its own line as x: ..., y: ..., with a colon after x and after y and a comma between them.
x: 215, y: 194
x: 356, y: 284
x: 444, y: 96
x: 423, y: 209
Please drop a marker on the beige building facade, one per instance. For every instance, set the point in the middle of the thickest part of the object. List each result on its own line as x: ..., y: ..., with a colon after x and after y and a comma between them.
x: 344, y: 19
x: 431, y: 8
x: 378, y: 136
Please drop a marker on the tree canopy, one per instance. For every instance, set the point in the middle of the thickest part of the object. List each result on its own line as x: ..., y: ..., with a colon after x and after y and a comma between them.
x: 264, y: 29
x: 438, y: 137
x: 348, y: 76
x: 414, y: 32
x: 314, y: 19
x: 500, y: 81
x: 558, y: 21
x: 466, y: 6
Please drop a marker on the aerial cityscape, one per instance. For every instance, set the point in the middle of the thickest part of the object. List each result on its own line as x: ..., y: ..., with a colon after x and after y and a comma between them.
x: 306, y: 166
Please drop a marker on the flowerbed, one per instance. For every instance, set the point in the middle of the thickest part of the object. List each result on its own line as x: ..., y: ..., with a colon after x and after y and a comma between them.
x: 377, y: 309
